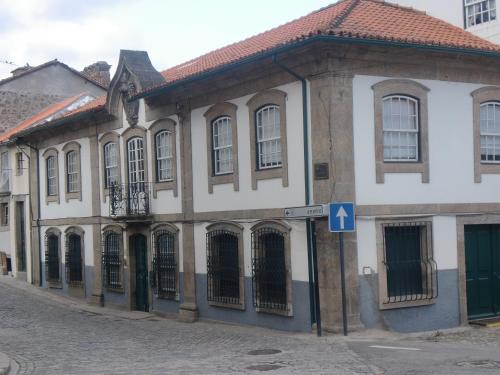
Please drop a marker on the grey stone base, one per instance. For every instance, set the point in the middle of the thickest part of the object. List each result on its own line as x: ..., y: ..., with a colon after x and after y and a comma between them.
x: 188, y: 313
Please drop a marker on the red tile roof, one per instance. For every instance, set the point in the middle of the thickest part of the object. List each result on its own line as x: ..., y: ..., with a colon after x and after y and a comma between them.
x: 350, y: 19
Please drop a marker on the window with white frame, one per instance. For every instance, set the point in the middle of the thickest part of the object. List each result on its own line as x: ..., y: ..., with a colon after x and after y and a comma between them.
x: 479, y: 11
x: 51, y: 176
x: 136, y: 172
x: 164, y: 156
x: 4, y: 172
x: 222, y: 145
x: 401, y: 128
x: 72, y: 171
x: 490, y: 132
x: 111, y: 164
x: 4, y: 211
x: 268, y: 137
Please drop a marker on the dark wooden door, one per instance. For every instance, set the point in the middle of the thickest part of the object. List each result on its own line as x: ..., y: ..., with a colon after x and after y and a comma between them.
x: 141, y: 273
x: 482, y: 263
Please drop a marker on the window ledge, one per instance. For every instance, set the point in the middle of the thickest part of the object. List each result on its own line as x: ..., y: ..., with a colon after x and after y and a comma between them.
x: 288, y: 312
x: 407, y: 304
x: 114, y: 289
x: 165, y: 185
x: 52, y: 198
x: 54, y: 284
x: 73, y: 196
x: 4, y: 228
x: 402, y: 167
x: 174, y: 298
x: 240, y: 306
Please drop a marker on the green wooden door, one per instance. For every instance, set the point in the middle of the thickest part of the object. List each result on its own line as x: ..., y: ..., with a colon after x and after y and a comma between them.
x: 482, y: 261
x: 141, y: 273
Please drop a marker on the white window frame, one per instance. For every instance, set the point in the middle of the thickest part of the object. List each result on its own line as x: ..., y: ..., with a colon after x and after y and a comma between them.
x: 262, y: 141
x: 165, y: 159
x: 73, y: 175
x: 219, y: 149
x: 471, y: 12
x: 51, y: 176
x: 5, y: 214
x: 402, y: 131
x: 111, y: 164
x: 136, y: 169
x: 485, y: 135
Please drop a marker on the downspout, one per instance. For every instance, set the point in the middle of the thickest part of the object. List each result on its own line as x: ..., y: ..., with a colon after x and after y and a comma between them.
x: 311, y: 238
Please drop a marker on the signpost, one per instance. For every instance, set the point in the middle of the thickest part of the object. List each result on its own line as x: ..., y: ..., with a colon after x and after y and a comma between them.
x: 306, y: 211
x: 341, y: 219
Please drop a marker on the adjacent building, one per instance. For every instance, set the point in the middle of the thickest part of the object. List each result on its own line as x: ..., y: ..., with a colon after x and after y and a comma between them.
x: 168, y: 194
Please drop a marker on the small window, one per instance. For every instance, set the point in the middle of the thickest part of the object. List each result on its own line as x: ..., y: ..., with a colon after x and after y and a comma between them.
x: 479, y: 11
x: 4, y: 212
x: 268, y: 137
x: 222, y: 142
x: 223, y: 267
x: 73, y: 173
x: 164, y: 156
x: 410, y: 269
x: 400, y: 124
x: 19, y: 163
x: 112, y: 260
x: 490, y: 132
x: 164, y: 265
x: 52, y: 258
x: 74, y: 274
x: 269, y: 269
x: 51, y: 176
x: 4, y: 172
x: 111, y: 164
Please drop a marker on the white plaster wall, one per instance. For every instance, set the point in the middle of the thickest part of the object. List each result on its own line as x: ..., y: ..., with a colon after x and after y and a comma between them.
x: 5, y: 242
x: 74, y: 207
x: 444, y: 243
x: 451, y: 156
x: 298, y: 248
x: 270, y: 193
x: 448, y: 10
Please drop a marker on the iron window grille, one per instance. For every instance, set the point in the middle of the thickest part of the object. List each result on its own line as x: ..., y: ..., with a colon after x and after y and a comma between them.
x: 164, y: 278
x: 74, y: 274
x: 52, y: 258
x: 111, y: 260
x: 269, y: 272
x: 409, y: 265
x: 223, y: 271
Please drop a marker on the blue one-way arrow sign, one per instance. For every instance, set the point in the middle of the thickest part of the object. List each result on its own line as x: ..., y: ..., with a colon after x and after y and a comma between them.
x: 341, y: 217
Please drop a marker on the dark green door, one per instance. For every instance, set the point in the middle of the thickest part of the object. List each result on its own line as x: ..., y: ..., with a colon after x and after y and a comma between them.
x: 482, y: 263
x: 141, y: 273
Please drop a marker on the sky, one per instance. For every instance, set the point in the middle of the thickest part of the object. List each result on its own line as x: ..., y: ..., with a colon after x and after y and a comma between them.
x: 81, y: 32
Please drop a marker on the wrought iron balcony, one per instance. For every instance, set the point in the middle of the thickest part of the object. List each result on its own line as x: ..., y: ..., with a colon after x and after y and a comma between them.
x: 130, y: 200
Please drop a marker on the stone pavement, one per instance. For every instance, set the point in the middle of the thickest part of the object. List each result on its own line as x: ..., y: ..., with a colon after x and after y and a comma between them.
x: 4, y: 364
x: 45, y: 334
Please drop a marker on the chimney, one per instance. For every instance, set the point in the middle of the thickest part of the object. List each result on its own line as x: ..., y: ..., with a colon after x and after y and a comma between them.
x: 21, y: 70
x: 98, y: 72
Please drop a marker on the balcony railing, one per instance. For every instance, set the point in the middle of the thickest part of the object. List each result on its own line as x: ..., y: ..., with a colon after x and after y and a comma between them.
x: 130, y: 200
x: 5, y: 180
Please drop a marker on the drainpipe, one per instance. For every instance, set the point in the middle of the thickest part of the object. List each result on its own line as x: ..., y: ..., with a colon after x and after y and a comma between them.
x: 310, y: 227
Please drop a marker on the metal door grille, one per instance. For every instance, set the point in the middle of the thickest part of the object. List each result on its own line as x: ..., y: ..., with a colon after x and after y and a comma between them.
x: 409, y: 265
x: 74, y: 260
x: 52, y: 258
x: 164, y: 276
x: 111, y: 260
x: 269, y: 269
x: 223, y: 271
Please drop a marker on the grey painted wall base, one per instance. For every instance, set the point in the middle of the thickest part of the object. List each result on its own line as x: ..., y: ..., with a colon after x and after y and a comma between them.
x: 444, y: 313
x: 300, y: 321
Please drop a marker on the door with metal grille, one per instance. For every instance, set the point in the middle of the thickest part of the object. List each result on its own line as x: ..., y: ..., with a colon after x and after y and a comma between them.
x: 74, y: 274
x: 141, y: 272
x: 20, y: 237
x: 52, y: 258
x: 482, y: 263
x: 164, y: 265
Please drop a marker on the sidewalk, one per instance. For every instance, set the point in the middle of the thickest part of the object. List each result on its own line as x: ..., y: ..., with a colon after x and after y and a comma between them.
x: 4, y: 364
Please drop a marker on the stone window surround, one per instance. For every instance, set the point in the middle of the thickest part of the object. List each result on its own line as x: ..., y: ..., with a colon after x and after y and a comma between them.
x: 127, y: 135
x: 80, y: 232
x: 46, y: 155
x: 259, y: 100
x: 480, y: 96
x: 110, y: 137
x: 57, y: 233
x: 4, y: 226
x: 382, y: 275
x: 172, y: 229
x: 76, y: 147
x: 158, y: 126
x: 238, y: 230
x: 285, y: 231
x: 212, y: 114
x: 415, y: 90
x: 113, y: 228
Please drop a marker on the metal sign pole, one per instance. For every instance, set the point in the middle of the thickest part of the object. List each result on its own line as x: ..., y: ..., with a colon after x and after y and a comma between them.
x: 342, y: 281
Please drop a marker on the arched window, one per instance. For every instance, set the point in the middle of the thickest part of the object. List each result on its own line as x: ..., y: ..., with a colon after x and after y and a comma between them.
x: 400, y: 128
x: 223, y: 266
x: 268, y: 137
x: 52, y: 260
x: 164, y: 156
x: 490, y: 132
x: 270, y: 274
x: 111, y: 260
x: 51, y: 176
x: 74, y: 272
x: 73, y: 184
x: 222, y: 145
x: 165, y: 264
x: 111, y: 164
